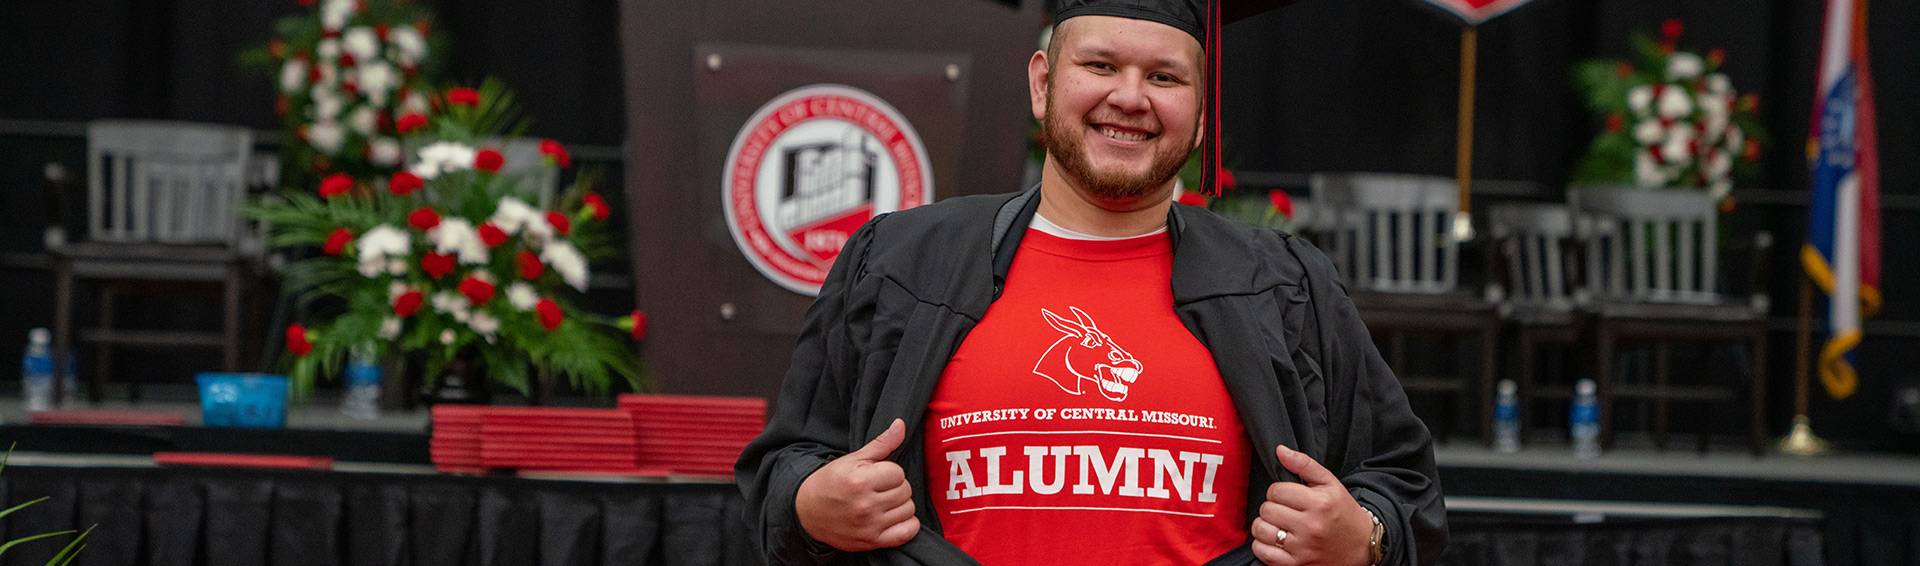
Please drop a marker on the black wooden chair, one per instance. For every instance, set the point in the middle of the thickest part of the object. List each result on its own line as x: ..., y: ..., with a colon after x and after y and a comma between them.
x: 163, y: 214
x: 1653, y: 265
x: 1390, y: 236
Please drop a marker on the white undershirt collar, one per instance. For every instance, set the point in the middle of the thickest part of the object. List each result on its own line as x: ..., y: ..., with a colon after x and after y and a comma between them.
x: 1048, y: 227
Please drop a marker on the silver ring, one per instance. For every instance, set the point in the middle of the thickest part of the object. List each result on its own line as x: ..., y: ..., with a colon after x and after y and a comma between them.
x: 1279, y: 536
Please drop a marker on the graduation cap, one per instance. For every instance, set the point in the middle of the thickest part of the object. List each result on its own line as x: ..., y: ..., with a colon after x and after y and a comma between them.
x: 1201, y: 19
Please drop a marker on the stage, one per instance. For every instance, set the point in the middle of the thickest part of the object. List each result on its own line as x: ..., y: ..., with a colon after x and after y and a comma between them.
x: 382, y: 503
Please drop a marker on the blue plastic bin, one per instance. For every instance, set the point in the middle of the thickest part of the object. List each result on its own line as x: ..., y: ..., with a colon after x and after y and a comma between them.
x: 252, y: 400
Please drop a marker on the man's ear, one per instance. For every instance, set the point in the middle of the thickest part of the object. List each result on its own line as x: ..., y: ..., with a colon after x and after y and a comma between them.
x: 1200, y: 133
x: 1039, y: 70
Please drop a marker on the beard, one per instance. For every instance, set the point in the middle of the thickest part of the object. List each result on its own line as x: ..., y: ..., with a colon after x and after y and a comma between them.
x: 1061, y: 138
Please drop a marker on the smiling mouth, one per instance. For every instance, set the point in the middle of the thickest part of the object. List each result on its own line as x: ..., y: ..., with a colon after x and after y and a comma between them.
x: 1124, y: 135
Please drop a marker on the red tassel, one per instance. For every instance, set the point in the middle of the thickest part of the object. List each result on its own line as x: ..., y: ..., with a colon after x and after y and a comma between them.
x: 1210, y: 147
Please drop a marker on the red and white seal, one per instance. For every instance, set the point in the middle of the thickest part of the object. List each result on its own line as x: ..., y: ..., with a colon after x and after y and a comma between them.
x: 808, y: 169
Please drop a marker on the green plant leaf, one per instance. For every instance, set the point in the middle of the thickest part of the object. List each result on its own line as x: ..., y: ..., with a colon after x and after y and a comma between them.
x: 12, y: 543
x: 72, y: 550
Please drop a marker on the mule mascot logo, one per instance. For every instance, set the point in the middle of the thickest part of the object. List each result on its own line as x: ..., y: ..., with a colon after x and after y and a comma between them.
x: 1084, y: 355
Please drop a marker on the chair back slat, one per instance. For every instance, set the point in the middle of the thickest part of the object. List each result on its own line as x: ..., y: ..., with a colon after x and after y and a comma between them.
x: 1658, y: 245
x: 1393, y: 232
x: 166, y: 182
x: 1530, y: 237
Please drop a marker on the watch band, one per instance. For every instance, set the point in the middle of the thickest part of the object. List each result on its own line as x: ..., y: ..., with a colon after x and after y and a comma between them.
x: 1377, y: 545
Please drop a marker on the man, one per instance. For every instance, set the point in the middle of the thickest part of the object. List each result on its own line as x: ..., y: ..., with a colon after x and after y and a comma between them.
x: 1085, y: 372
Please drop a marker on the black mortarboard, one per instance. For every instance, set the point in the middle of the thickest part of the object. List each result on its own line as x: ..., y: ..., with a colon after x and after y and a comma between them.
x: 1201, y: 19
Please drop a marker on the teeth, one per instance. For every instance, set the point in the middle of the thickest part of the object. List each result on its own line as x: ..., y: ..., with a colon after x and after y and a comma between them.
x: 1123, y: 136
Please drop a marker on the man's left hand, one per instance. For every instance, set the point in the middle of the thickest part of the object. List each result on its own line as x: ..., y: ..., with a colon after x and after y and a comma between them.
x: 1312, y: 523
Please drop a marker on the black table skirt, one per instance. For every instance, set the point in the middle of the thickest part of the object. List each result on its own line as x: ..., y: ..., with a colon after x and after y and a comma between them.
x: 222, y: 517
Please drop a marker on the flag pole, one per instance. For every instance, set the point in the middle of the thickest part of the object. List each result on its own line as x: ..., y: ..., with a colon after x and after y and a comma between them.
x: 1801, y: 441
x: 1463, y: 165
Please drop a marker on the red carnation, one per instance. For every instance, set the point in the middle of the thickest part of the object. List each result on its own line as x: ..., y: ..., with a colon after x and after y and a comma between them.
x: 1282, y: 202
x: 492, y: 235
x: 597, y: 205
x: 424, y: 218
x: 346, y: 60
x: 1223, y: 180
x: 559, y: 222
x: 380, y: 31
x: 549, y: 314
x: 1615, y: 122
x: 436, y: 265
x: 1717, y: 56
x: 337, y: 241
x: 464, y: 96
x: 407, y: 304
x: 1670, y: 29
x: 1191, y: 198
x: 307, y: 2
x: 477, y: 290
x: 297, y: 341
x: 404, y: 183
x: 488, y: 160
x: 556, y: 151
x: 335, y: 185
x: 1623, y: 69
x: 1752, y: 150
x: 639, y: 326
x: 410, y: 122
x: 530, y: 266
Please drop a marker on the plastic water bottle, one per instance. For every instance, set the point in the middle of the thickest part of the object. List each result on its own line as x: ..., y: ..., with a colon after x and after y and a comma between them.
x: 362, y: 400
x: 1584, y: 420
x: 36, y: 371
x: 1506, y: 419
x: 70, y: 383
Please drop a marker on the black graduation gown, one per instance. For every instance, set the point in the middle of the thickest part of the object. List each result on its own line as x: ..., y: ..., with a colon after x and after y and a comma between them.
x: 909, y: 285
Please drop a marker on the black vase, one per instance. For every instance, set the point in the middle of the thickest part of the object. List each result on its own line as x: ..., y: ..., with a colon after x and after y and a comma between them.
x: 459, y: 386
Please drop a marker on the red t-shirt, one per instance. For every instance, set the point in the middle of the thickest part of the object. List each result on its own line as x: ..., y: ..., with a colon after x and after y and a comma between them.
x: 1081, y: 423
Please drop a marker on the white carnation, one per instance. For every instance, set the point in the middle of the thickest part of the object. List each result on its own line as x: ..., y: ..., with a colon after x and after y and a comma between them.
x: 384, y: 151
x: 1647, y: 171
x: 567, y: 261
x: 522, y: 296
x: 513, y: 214
x: 326, y: 106
x: 1682, y: 66
x: 456, y: 236
x: 1719, y: 164
x: 443, y: 157
x: 1736, y: 140
x: 361, y: 43
x: 1718, y: 83
x: 447, y: 337
x: 1648, y: 132
x: 293, y: 75
x: 484, y: 324
x: 326, y: 136
x: 377, y: 81
x: 364, y: 120
x: 449, y: 302
x: 1674, y: 102
x: 334, y: 13
x: 389, y: 328
x: 415, y: 103
x: 397, y: 266
x: 1677, y: 148
x: 1640, y: 99
x: 377, y: 244
x: 328, y: 49
x: 1720, y: 189
x: 413, y: 47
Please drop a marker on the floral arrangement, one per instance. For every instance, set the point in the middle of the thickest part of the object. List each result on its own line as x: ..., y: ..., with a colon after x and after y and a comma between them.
x: 1273, y: 210
x: 450, y: 257
x: 1672, y: 120
x: 349, y: 75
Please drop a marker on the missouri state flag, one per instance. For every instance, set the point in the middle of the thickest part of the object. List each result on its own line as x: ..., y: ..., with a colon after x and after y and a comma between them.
x: 1842, y: 253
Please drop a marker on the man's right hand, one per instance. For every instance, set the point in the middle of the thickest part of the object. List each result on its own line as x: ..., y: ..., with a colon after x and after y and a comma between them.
x: 860, y: 501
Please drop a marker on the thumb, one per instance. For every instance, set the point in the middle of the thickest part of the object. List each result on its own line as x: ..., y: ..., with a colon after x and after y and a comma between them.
x: 1304, y: 466
x: 882, y: 445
